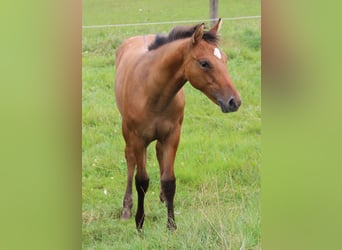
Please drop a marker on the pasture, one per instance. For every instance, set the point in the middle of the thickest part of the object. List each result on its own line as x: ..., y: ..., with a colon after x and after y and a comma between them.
x: 217, y: 202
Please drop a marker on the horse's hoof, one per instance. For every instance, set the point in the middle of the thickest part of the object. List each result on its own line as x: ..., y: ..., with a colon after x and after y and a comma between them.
x: 126, y: 214
x: 139, y: 220
x: 161, y: 197
x: 171, y: 226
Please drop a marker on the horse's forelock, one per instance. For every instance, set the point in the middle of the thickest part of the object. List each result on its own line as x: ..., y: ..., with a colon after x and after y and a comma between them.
x: 210, y: 37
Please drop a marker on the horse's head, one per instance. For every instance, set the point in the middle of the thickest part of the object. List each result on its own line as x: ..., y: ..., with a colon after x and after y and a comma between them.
x: 205, y: 69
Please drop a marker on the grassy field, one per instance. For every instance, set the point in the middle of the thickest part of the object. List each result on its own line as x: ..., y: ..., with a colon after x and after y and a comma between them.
x: 217, y: 203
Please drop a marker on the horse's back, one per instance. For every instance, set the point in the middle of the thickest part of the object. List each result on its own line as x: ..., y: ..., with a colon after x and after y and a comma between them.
x: 127, y: 55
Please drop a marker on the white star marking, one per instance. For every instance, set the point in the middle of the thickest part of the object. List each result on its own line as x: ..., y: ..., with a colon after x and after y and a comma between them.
x: 217, y: 53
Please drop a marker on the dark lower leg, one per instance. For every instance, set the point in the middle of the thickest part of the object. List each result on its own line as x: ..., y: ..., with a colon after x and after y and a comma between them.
x: 141, y: 186
x: 169, y: 189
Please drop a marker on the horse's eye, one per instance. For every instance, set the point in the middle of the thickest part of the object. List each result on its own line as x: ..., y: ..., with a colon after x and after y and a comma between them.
x: 204, y: 64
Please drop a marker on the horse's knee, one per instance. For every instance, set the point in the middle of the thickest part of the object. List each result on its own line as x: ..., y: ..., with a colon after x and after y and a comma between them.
x: 141, y: 185
x: 168, y: 189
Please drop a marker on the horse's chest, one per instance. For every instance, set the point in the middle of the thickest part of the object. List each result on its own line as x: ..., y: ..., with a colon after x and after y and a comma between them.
x: 155, y: 129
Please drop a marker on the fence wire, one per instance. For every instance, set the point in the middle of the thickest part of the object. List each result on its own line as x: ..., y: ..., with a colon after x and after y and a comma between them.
x: 166, y: 22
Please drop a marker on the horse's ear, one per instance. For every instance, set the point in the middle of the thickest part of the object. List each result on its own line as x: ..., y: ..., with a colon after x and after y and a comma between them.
x: 216, y: 28
x: 198, y: 34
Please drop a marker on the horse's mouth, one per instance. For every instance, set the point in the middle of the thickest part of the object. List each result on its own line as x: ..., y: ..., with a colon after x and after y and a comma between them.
x: 224, y: 109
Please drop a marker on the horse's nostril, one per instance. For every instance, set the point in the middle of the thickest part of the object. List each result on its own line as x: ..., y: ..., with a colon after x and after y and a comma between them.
x: 232, y: 104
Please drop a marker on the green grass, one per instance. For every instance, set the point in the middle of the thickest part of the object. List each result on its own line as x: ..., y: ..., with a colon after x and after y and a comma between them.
x: 217, y: 203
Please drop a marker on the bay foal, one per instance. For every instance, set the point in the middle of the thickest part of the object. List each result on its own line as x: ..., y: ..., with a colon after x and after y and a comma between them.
x: 150, y: 74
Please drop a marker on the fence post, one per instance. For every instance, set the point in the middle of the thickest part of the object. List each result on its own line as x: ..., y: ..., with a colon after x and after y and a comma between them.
x: 213, y: 11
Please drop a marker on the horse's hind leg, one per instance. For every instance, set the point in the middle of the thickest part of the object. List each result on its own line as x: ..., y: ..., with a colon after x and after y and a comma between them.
x: 128, y: 199
x: 159, y: 151
x: 135, y: 155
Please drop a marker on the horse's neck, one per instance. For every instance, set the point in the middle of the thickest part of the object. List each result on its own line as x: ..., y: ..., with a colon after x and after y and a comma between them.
x: 168, y: 73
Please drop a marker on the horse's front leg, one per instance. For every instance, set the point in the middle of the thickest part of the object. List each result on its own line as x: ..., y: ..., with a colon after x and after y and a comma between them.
x: 166, y: 152
x: 141, y: 181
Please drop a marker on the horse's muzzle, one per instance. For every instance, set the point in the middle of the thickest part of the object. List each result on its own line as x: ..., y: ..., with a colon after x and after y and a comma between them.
x: 231, y: 105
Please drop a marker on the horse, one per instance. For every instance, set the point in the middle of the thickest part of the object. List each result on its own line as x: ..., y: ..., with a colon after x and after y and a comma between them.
x: 151, y: 71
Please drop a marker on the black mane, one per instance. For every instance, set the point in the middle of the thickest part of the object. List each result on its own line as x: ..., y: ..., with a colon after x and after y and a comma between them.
x: 180, y: 32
